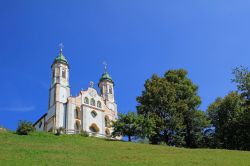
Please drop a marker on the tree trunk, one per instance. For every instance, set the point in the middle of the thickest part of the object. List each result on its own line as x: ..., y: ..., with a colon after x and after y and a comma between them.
x: 129, y: 138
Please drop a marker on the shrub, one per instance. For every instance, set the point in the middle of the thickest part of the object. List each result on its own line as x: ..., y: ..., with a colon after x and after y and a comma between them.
x: 84, y: 133
x: 24, y: 127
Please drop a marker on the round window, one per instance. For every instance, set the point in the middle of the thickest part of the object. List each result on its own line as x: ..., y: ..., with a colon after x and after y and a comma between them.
x: 93, y: 113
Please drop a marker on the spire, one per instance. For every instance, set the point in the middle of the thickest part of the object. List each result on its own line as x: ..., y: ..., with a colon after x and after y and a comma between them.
x: 105, y: 66
x: 61, y: 58
x: 61, y: 48
x: 105, y: 75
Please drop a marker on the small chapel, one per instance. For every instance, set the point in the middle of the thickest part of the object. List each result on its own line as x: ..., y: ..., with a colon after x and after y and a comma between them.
x: 91, y: 110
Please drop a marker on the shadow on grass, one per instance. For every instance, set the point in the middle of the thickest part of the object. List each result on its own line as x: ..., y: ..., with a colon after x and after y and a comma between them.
x: 113, y: 140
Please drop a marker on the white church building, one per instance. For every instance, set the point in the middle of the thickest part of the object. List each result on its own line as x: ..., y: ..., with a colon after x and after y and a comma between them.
x: 90, y: 111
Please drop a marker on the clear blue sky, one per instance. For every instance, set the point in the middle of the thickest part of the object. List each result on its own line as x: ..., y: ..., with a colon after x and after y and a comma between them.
x: 136, y: 37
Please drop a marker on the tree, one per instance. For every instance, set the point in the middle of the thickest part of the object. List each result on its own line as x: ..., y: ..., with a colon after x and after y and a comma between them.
x: 242, y: 79
x: 133, y: 125
x: 24, y: 127
x: 231, y: 115
x: 172, y: 102
x: 196, y: 122
x: 126, y: 125
x: 146, y: 127
x: 225, y: 114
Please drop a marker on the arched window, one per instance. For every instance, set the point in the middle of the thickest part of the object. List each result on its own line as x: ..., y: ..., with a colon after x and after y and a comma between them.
x: 110, y: 89
x: 94, y: 128
x: 77, y: 113
x: 86, y: 100
x: 92, y: 102
x: 99, y: 104
x: 63, y: 73
x: 107, y: 121
x: 93, y: 113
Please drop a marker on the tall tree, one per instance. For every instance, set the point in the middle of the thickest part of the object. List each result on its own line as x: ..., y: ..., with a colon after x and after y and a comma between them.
x: 242, y: 79
x: 172, y: 101
x: 225, y: 114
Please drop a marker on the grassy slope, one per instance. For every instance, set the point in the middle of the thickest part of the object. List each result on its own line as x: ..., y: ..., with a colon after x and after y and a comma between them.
x: 47, y: 149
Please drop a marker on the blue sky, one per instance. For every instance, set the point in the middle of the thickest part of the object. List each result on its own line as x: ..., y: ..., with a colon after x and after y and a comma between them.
x: 136, y: 37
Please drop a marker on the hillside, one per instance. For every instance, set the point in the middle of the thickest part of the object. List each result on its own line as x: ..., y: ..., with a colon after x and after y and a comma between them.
x: 47, y: 149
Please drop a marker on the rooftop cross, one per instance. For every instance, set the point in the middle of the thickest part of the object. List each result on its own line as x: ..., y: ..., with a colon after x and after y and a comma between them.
x: 91, y: 84
x: 105, y: 66
x: 61, y: 48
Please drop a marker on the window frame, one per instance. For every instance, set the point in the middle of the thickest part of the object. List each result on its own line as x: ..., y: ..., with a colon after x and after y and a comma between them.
x: 110, y: 89
x: 92, y: 102
x: 93, y: 113
x: 64, y: 73
x: 86, y: 100
x: 99, y: 104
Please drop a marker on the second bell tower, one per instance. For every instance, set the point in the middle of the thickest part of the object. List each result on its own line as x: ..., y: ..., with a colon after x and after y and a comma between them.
x: 59, y: 91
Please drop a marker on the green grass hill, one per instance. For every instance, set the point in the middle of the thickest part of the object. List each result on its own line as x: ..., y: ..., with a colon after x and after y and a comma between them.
x: 48, y: 149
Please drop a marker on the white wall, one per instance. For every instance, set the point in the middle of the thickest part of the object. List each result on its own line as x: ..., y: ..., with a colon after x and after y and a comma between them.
x: 40, y: 125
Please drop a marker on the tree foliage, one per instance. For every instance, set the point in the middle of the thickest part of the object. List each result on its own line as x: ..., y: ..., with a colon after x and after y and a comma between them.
x: 172, y: 102
x: 168, y: 113
x: 242, y: 79
x: 126, y: 125
x: 225, y: 114
x: 24, y: 127
x: 133, y: 125
x: 231, y: 115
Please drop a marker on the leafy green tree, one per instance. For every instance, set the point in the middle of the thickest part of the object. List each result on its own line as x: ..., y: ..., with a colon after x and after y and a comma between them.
x: 146, y: 126
x: 126, y: 125
x: 24, y: 127
x: 225, y: 115
x: 242, y: 79
x: 133, y: 125
x: 172, y: 102
x: 195, y: 122
x: 231, y: 115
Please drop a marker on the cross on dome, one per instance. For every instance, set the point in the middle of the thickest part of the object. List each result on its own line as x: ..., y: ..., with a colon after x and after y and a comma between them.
x: 91, y: 84
x: 105, y: 66
x: 61, y: 46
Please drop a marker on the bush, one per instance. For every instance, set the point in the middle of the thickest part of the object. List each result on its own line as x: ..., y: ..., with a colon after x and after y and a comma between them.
x: 84, y: 133
x: 24, y: 127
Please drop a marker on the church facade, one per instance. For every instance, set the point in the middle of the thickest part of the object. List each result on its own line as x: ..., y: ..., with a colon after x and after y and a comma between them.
x: 89, y: 111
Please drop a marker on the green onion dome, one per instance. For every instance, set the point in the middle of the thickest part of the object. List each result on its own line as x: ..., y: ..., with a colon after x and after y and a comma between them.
x: 106, y: 77
x: 61, y: 58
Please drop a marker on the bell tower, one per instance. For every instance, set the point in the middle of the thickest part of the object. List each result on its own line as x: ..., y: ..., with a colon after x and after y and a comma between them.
x: 59, y: 91
x: 106, y: 85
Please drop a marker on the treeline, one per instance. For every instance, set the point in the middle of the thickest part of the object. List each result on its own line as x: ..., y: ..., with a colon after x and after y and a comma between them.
x: 168, y: 113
